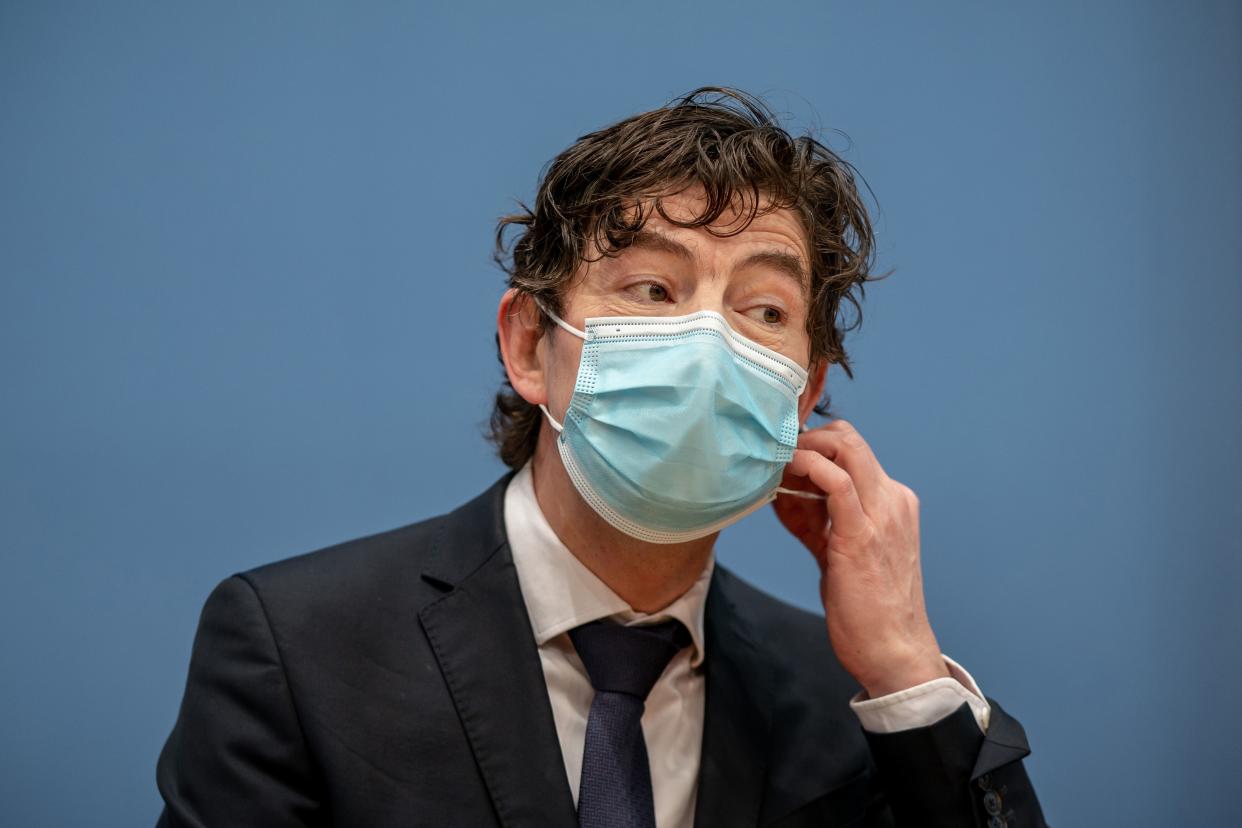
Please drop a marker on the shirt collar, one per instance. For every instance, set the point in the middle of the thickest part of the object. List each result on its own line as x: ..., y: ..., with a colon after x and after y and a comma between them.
x: 561, y: 593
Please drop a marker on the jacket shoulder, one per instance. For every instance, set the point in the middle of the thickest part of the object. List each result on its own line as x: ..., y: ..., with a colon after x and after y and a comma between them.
x: 377, y: 557
x: 377, y: 575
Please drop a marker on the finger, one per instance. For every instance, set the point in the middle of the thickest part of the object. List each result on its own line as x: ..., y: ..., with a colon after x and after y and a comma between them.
x: 844, y: 508
x: 808, y: 523
x: 800, y: 483
x: 842, y: 444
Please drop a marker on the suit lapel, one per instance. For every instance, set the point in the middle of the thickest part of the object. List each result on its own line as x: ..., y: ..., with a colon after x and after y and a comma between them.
x: 737, y: 722
x: 482, y: 639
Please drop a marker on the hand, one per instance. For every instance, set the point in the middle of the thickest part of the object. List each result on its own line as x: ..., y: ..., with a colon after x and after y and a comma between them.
x: 865, y: 538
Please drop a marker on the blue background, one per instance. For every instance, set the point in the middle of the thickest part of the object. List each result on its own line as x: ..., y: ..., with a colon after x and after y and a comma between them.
x: 247, y: 311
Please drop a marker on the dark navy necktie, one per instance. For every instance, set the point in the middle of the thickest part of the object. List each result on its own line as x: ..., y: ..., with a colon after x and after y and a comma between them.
x: 623, y: 663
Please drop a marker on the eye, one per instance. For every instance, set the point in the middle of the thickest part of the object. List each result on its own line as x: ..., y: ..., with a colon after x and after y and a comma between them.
x: 656, y: 292
x: 772, y: 316
x: 649, y: 291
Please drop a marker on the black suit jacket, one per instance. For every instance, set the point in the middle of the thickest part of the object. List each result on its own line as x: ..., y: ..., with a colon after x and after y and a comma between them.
x: 393, y: 681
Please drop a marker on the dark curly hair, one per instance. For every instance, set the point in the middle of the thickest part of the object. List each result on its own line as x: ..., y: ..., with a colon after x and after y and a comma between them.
x: 599, y: 192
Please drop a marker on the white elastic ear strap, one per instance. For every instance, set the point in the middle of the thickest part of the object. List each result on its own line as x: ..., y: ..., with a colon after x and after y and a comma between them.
x: 559, y: 321
x: 798, y: 493
x: 551, y: 420
x: 571, y: 329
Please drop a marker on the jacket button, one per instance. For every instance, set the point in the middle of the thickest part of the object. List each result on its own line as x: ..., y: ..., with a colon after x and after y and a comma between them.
x: 992, y: 802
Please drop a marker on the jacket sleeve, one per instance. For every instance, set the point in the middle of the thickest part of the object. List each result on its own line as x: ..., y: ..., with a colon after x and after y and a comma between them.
x: 952, y: 774
x: 236, y: 755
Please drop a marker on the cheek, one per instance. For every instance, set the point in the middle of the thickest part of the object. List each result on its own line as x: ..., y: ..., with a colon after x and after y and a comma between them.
x: 805, y: 403
x: 798, y: 348
x: 563, y: 374
x: 797, y: 340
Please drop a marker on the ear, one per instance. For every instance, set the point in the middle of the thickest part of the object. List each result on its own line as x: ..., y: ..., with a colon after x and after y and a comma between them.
x: 521, y: 338
x: 817, y: 375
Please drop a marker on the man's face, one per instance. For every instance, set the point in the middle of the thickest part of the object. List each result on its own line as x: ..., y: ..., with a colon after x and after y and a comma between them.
x: 758, y: 280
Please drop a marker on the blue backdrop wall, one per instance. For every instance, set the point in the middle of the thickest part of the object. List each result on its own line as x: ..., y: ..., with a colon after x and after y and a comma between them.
x: 246, y: 311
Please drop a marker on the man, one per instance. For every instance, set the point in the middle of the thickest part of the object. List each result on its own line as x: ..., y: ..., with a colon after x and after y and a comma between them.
x: 563, y: 650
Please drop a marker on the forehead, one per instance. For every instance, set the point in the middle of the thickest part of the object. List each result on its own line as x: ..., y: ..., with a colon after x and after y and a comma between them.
x: 781, y: 226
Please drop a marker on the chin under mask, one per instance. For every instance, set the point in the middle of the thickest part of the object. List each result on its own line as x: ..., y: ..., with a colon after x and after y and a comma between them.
x: 678, y: 426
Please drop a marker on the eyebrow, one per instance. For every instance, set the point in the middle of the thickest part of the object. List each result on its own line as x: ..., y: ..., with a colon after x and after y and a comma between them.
x: 780, y: 260
x: 660, y: 243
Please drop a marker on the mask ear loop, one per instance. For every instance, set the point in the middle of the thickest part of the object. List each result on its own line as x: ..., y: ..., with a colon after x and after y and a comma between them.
x: 802, y: 494
x: 798, y: 492
x: 551, y: 420
x: 584, y: 336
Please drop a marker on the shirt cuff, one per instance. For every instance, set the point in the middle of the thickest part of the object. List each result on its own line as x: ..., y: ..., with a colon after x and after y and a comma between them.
x: 924, y: 704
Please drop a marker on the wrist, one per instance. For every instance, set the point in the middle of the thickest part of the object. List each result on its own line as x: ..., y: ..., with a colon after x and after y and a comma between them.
x: 906, y: 674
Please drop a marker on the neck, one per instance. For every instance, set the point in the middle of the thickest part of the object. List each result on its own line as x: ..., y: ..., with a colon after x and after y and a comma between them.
x: 647, y: 576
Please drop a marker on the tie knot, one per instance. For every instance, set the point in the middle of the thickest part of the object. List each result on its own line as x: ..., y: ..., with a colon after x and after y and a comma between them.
x: 624, y: 659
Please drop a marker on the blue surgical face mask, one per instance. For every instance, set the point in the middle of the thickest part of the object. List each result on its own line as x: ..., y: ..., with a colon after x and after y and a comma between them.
x: 678, y: 425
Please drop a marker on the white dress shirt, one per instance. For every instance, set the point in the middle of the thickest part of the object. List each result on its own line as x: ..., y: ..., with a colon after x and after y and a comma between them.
x: 560, y: 593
